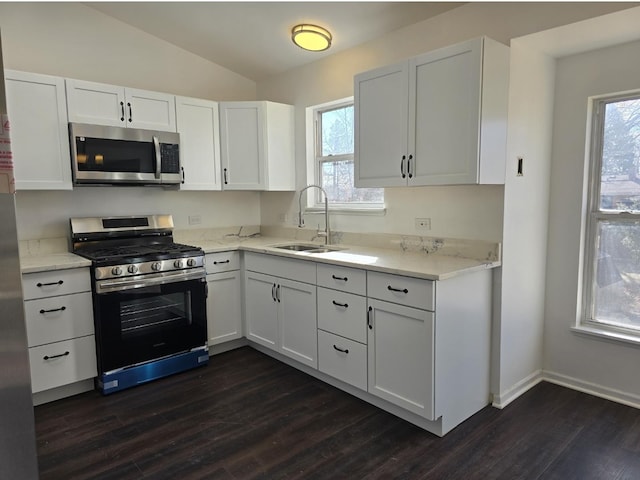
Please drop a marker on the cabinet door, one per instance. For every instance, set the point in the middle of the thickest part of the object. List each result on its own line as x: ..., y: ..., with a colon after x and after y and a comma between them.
x: 242, y: 145
x: 380, y: 122
x: 224, y: 307
x: 150, y: 110
x: 298, y: 326
x: 96, y: 103
x: 197, y: 124
x: 261, y: 310
x: 444, y: 114
x: 39, y: 137
x: 401, y: 356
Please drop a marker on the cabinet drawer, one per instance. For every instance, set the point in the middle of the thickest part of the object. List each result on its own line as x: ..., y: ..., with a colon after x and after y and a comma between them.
x: 348, y: 365
x: 344, y: 314
x: 222, y: 262
x: 55, y: 282
x: 54, y: 319
x: 412, y: 292
x: 344, y: 279
x: 281, y: 267
x: 62, y: 363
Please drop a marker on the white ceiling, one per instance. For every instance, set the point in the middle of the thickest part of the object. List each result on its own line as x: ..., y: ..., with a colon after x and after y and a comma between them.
x: 253, y: 38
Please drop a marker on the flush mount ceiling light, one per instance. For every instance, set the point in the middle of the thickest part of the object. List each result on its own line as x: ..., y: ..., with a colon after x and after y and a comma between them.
x: 311, y: 37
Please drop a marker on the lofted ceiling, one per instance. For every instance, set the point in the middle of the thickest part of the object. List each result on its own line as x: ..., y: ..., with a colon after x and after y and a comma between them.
x: 253, y: 38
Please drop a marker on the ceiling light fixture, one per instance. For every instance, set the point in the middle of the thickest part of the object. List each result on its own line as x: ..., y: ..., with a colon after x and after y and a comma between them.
x: 311, y: 37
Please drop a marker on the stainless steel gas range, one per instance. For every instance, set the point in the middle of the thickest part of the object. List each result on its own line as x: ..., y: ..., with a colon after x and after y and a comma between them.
x: 149, y: 298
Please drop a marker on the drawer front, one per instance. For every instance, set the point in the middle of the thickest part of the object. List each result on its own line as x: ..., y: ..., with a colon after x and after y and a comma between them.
x: 62, y: 363
x: 55, y: 282
x: 412, y: 292
x: 344, y: 314
x: 348, y: 365
x: 344, y: 279
x: 222, y: 262
x: 298, y: 270
x: 54, y: 319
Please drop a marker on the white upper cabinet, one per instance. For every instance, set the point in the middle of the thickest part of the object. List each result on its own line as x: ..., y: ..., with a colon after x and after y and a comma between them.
x: 103, y: 104
x: 436, y: 119
x: 257, y: 146
x: 39, y: 139
x: 197, y: 122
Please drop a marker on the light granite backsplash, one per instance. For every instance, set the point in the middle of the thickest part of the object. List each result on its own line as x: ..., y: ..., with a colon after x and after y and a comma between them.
x: 455, y: 247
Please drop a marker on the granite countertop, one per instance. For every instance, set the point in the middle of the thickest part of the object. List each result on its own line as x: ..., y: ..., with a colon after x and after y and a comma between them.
x: 402, y: 261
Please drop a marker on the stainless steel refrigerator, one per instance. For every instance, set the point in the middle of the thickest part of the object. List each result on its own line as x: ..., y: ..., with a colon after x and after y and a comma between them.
x: 18, y: 458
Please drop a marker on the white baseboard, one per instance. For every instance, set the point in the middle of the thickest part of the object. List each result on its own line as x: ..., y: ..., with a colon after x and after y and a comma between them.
x: 612, y: 394
x: 505, y: 398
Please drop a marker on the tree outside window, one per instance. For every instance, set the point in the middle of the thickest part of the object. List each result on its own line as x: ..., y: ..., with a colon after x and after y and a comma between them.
x: 334, y: 159
x: 613, y: 298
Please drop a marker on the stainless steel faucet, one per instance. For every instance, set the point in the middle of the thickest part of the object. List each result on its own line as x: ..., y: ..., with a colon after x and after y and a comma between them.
x: 326, y: 234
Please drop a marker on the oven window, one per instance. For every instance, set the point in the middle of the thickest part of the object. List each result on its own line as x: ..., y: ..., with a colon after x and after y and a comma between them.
x: 142, y: 315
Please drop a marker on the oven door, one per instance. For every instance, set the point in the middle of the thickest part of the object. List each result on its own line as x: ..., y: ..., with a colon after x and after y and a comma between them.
x: 137, y: 325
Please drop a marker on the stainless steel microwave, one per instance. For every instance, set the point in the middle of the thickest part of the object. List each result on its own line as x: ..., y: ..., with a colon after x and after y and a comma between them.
x: 123, y: 156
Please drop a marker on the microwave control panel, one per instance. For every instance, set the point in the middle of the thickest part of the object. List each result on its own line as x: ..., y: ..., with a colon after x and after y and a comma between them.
x: 170, y: 154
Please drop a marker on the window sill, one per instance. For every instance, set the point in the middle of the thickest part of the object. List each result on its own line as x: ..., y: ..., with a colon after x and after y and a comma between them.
x: 374, y: 211
x: 608, y: 335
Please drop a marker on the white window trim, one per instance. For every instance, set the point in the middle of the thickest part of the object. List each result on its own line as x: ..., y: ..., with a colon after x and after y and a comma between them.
x: 312, y: 168
x: 584, y: 324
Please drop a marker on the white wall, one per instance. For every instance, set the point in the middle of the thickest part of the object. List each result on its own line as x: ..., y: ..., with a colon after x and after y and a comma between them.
x: 518, y: 329
x: 76, y: 41
x: 604, y: 367
x: 468, y: 212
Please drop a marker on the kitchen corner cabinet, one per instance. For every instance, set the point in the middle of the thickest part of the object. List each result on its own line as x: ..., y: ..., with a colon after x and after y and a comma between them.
x: 37, y: 113
x: 197, y: 124
x: 224, y: 299
x: 257, y: 146
x: 280, y: 310
x: 436, y: 119
x: 60, y: 330
x: 111, y: 105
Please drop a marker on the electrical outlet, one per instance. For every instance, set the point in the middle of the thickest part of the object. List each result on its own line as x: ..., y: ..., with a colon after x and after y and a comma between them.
x: 195, y: 219
x: 423, y: 224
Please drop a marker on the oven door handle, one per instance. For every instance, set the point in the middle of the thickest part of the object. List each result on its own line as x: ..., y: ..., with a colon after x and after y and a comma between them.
x: 106, y: 286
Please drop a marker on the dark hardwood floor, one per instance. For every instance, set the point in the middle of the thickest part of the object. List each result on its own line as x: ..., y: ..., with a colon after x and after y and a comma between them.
x: 247, y: 416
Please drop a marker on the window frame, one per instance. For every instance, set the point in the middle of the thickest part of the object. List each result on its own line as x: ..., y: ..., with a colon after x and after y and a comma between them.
x: 315, y: 199
x: 595, y: 216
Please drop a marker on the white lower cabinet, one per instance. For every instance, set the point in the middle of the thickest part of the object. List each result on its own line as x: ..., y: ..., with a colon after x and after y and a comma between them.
x: 280, y: 311
x: 343, y: 359
x: 401, y: 364
x: 224, y: 299
x: 60, y: 329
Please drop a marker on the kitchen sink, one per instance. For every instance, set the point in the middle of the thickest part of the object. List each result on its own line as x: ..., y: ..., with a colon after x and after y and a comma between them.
x: 305, y: 247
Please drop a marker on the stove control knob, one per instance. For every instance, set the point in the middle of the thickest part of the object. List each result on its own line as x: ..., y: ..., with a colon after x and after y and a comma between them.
x: 178, y: 264
x: 191, y: 262
x: 116, y: 271
x: 132, y: 269
x: 156, y: 266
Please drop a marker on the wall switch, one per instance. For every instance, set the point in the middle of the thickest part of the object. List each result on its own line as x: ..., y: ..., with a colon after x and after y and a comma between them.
x: 195, y: 219
x: 423, y: 224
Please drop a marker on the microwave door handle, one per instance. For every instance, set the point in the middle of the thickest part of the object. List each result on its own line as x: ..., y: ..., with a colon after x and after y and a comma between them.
x: 156, y: 146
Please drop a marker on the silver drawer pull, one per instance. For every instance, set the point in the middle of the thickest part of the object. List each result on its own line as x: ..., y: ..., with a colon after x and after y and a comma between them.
x: 61, y: 309
x: 346, y: 350
x: 401, y: 290
x: 342, y: 279
x: 40, y: 285
x: 51, y: 357
x: 343, y: 305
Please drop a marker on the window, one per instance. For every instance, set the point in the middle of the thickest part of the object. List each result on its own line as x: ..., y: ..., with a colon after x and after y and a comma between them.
x: 333, y: 166
x: 612, y: 291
